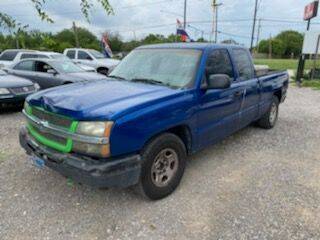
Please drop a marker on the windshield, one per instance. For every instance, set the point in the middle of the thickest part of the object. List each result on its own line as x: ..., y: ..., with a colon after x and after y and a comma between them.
x: 8, y: 55
x: 96, y: 54
x: 171, y: 67
x: 60, y: 57
x: 66, y: 67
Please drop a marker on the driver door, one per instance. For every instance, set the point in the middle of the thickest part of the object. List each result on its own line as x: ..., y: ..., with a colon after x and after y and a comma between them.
x: 219, y: 108
x: 45, y: 79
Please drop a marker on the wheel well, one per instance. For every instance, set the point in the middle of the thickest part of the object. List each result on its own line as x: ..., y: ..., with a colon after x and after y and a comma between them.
x: 102, y: 68
x: 278, y: 93
x: 184, y: 133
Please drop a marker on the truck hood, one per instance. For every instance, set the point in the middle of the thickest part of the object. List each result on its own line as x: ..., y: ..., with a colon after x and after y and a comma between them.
x: 5, y: 64
x: 99, y: 100
x: 83, y: 76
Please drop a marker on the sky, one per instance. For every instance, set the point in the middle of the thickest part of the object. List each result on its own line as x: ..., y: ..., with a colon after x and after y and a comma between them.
x: 134, y: 19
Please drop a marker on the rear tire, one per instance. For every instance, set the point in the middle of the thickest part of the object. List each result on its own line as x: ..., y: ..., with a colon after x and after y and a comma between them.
x: 270, y: 118
x: 164, y: 161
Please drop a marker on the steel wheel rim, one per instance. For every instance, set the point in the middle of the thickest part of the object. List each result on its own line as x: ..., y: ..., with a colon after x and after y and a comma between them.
x: 273, y: 113
x: 164, y: 167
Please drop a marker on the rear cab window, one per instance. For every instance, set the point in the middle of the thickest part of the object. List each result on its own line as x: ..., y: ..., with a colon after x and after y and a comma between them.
x: 244, y: 64
x: 71, y: 54
x: 8, y: 55
x: 83, y: 55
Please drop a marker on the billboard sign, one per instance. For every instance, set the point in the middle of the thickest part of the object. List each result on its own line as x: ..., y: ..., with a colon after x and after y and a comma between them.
x: 310, y: 42
x: 311, y: 10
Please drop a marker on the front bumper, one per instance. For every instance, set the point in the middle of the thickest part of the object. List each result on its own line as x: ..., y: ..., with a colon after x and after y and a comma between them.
x: 8, y: 100
x: 114, y: 172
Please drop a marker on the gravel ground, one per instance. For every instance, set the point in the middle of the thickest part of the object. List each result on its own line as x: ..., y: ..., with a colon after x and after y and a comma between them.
x: 256, y: 184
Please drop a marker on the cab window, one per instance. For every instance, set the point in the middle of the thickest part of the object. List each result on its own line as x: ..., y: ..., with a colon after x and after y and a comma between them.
x: 219, y: 63
x: 244, y: 64
x: 84, y: 56
x: 71, y: 54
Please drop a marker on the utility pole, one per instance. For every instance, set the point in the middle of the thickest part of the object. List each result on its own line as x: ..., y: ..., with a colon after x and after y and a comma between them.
x: 75, y: 34
x: 270, y: 47
x: 254, y: 24
x: 185, y: 15
x: 215, y: 20
x: 258, y: 35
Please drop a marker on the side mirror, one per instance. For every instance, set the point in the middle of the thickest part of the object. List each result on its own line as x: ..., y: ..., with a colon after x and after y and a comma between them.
x: 52, y: 71
x: 218, y: 81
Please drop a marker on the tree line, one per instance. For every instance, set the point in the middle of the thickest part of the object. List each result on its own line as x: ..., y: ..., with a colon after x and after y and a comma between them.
x: 285, y: 44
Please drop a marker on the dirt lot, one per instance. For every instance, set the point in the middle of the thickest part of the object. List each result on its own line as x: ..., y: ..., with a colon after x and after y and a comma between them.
x: 257, y: 184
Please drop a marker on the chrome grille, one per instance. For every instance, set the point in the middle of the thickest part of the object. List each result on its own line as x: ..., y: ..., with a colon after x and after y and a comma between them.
x: 51, y: 137
x: 57, y: 120
x: 22, y: 90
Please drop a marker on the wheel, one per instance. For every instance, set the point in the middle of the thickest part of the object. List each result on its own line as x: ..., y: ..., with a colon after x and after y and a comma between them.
x: 103, y: 71
x: 269, y: 119
x: 164, y: 160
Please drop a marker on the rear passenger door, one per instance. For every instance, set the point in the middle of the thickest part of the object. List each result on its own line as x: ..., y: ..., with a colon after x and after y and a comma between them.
x: 24, y: 68
x: 249, y: 84
x: 219, y: 108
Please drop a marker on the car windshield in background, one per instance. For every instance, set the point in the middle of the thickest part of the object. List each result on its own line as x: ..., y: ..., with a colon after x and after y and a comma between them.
x: 171, y: 67
x: 96, y: 54
x: 8, y: 55
x: 66, y: 67
x: 60, y: 57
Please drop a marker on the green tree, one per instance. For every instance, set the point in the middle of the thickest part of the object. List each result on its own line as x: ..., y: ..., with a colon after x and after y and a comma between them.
x: 292, y: 42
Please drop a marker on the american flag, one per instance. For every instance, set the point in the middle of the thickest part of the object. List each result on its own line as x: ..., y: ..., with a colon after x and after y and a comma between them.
x: 182, y: 32
x: 105, y: 45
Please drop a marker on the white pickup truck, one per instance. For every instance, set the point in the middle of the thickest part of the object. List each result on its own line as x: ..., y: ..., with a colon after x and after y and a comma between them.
x: 92, y: 58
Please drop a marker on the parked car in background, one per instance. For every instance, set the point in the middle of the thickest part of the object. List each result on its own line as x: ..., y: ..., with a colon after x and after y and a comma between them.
x: 14, y: 90
x: 62, y: 57
x: 11, y: 56
x: 50, y: 72
x: 162, y: 103
x: 92, y: 58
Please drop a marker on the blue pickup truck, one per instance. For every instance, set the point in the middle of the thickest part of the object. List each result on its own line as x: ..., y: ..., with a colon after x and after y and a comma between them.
x: 159, y: 105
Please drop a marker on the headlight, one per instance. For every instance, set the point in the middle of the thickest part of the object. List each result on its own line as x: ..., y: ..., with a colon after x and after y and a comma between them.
x: 4, y: 91
x: 26, y: 107
x: 94, y: 129
x: 36, y: 86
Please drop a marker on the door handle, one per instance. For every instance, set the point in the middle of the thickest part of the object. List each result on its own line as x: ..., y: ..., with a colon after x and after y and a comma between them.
x: 238, y: 93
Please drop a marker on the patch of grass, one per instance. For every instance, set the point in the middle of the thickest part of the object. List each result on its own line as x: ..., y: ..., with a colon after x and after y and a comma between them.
x: 278, y: 64
x: 282, y: 64
x: 315, y: 84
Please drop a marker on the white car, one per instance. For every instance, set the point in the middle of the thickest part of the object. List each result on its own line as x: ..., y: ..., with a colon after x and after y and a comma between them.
x: 92, y: 58
x: 10, y: 57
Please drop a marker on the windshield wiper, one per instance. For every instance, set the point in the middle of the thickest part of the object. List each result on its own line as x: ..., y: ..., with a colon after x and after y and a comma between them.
x: 148, y: 80
x: 116, y: 77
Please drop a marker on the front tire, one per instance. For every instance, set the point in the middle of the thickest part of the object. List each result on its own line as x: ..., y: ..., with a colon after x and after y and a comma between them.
x: 103, y: 71
x: 270, y: 118
x: 164, y: 161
